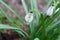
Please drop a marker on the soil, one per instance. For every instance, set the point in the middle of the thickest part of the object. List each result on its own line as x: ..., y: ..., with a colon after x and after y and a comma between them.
x: 10, y: 35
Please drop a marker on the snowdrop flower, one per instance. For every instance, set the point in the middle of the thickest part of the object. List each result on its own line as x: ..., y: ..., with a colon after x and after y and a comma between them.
x: 49, y: 12
x: 29, y: 17
x: 36, y: 39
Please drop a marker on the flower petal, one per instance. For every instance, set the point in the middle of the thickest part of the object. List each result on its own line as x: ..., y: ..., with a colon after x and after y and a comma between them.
x: 29, y: 17
x: 50, y: 11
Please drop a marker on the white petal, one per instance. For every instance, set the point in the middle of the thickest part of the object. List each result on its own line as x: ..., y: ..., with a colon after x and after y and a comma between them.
x: 50, y: 11
x: 29, y: 17
x: 36, y: 39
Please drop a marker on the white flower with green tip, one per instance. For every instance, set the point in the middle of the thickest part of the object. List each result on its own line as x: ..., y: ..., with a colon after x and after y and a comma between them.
x: 29, y: 17
x: 49, y: 12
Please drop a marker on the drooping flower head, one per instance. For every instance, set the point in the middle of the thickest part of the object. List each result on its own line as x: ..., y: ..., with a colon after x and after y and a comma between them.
x: 49, y: 11
x: 29, y: 17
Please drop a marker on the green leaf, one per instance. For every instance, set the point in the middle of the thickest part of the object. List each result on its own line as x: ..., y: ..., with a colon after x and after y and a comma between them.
x: 21, y: 20
x: 32, y: 27
x: 35, y: 4
x: 51, y: 19
x: 20, y: 31
x: 32, y: 4
x: 32, y: 23
x: 9, y: 19
x: 37, y: 19
x: 36, y: 11
x: 25, y: 6
x: 58, y: 38
x: 48, y: 29
x: 48, y: 4
x: 54, y: 34
x: 2, y: 26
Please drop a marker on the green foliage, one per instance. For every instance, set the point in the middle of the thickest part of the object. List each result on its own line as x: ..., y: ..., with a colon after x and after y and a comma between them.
x: 46, y: 28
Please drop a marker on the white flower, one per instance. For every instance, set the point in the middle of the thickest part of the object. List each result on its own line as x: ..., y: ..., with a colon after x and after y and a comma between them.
x: 36, y: 39
x: 29, y: 17
x: 49, y: 12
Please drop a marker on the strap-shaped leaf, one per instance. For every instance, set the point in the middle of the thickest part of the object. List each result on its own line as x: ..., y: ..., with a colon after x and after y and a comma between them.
x: 3, y: 12
x: 14, y: 12
x: 32, y: 23
x: 48, y: 29
x: 24, y: 6
x: 20, y: 31
x: 48, y: 4
x: 50, y: 20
